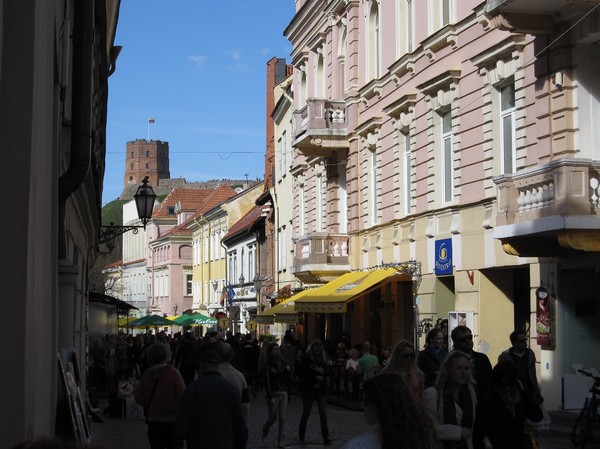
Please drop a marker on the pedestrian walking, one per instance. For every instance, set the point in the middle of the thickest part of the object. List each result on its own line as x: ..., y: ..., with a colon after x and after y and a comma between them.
x: 276, y: 378
x: 462, y: 339
x: 430, y: 359
x: 397, y: 420
x: 235, y: 377
x: 210, y: 413
x: 524, y: 358
x: 452, y: 402
x: 502, y: 415
x: 403, y: 361
x: 185, y: 357
x: 314, y: 369
x: 159, y: 392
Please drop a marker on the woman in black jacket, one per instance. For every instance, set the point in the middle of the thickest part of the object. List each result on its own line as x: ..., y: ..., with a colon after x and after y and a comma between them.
x: 502, y: 415
x: 314, y: 369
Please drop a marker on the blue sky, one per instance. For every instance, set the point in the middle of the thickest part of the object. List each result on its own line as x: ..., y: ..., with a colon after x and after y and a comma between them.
x: 198, y: 68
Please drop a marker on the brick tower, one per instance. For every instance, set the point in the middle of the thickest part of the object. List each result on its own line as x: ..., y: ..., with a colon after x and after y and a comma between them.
x: 146, y: 158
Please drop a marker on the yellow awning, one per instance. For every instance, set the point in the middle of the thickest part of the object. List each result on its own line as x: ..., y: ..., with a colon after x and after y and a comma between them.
x: 124, y: 322
x: 334, y: 296
x: 285, y: 311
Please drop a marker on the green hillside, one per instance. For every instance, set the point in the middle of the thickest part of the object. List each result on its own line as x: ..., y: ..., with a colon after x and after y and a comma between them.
x: 113, y: 212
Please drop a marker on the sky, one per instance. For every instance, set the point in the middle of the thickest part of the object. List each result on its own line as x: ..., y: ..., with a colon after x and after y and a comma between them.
x: 198, y: 68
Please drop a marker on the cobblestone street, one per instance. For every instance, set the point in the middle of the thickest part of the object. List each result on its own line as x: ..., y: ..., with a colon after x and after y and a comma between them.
x: 344, y: 424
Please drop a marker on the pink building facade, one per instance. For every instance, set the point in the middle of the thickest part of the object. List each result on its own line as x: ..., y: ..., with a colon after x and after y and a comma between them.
x: 460, y: 136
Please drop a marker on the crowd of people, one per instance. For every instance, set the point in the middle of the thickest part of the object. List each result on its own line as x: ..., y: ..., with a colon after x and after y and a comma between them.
x: 445, y: 396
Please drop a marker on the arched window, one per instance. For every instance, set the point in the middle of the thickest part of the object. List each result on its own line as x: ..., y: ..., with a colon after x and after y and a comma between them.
x: 342, y: 62
x: 320, y: 78
x: 147, y: 166
x: 147, y: 153
x: 374, y: 42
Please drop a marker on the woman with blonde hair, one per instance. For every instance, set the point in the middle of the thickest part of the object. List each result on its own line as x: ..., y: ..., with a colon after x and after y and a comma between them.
x: 404, y: 362
x: 396, y: 420
x: 452, y: 402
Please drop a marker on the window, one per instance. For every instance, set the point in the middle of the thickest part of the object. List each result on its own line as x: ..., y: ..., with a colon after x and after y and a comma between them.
x: 320, y: 78
x: 188, y: 284
x: 446, y: 155
x: 409, y: 26
x: 440, y: 14
x: 251, y: 262
x: 301, y: 211
x: 147, y: 166
x: 147, y: 153
x: 374, y: 42
x: 342, y: 198
x: 507, y: 126
x: 404, y: 21
x: 373, y: 210
x: 407, y: 178
x: 319, y: 203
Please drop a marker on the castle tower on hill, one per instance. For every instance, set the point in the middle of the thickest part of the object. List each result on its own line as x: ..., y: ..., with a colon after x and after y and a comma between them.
x: 146, y: 158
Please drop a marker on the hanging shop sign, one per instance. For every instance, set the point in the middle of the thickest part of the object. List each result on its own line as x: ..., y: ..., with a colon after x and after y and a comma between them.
x: 544, y: 321
x: 443, y: 257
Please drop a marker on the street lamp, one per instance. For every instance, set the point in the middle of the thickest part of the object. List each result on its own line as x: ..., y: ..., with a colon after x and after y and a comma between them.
x: 144, y: 202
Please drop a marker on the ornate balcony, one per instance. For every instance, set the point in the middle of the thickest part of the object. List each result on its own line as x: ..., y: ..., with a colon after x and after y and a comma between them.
x: 550, y: 209
x: 320, y: 126
x: 535, y: 16
x: 321, y: 257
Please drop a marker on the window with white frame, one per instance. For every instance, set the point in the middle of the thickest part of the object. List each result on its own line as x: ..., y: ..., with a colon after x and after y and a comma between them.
x: 440, y: 14
x: 507, y: 127
x: 373, y: 207
x: 188, y: 284
x: 407, y: 172
x: 446, y: 155
x: 404, y: 21
x: 342, y: 62
x: 231, y: 263
x: 319, y: 203
x: 373, y: 42
x: 302, y: 211
x: 320, y: 74
x: 280, y: 250
x: 251, y: 261
x: 342, y: 199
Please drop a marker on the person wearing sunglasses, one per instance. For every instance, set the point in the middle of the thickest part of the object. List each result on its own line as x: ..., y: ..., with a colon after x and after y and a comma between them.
x: 404, y: 362
x: 462, y: 339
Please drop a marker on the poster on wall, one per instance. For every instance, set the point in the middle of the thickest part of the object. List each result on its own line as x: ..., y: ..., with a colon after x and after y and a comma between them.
x: 443, y: 257
x: 544, y: 318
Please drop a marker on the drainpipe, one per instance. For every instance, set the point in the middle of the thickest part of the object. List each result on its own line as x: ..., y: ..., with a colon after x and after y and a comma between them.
x: 81, y: 139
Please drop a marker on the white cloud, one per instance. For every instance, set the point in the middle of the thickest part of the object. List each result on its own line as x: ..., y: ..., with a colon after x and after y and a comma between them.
x: 198, y: 60
x: 242, y: 68
x: 236, y: 55
x: 265, y: 51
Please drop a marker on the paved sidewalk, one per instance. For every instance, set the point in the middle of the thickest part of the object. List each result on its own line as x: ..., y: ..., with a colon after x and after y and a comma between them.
x: 344, y: 424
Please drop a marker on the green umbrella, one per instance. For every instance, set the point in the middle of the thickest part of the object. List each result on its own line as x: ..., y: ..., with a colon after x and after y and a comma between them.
x: 152, y: 320
x: 198, y: 319
x: 182, y: 318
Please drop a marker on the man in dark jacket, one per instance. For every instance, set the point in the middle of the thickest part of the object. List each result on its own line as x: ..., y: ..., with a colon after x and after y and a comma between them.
x: 210, y: 412
x: 462, y: 339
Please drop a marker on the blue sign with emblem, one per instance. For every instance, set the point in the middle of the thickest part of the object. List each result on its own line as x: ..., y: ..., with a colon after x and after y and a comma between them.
x: 443, y: 257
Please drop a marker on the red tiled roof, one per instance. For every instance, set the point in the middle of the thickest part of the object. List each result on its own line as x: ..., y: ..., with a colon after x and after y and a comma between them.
x: 244, y: 223
x: 191, y: 199
x: 211, y: 199
x: 218, y: 196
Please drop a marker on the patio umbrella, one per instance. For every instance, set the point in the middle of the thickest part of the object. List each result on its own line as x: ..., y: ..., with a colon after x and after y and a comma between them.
x: 152, y: 320
x: 182, y: 318
x: 198, y: 320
